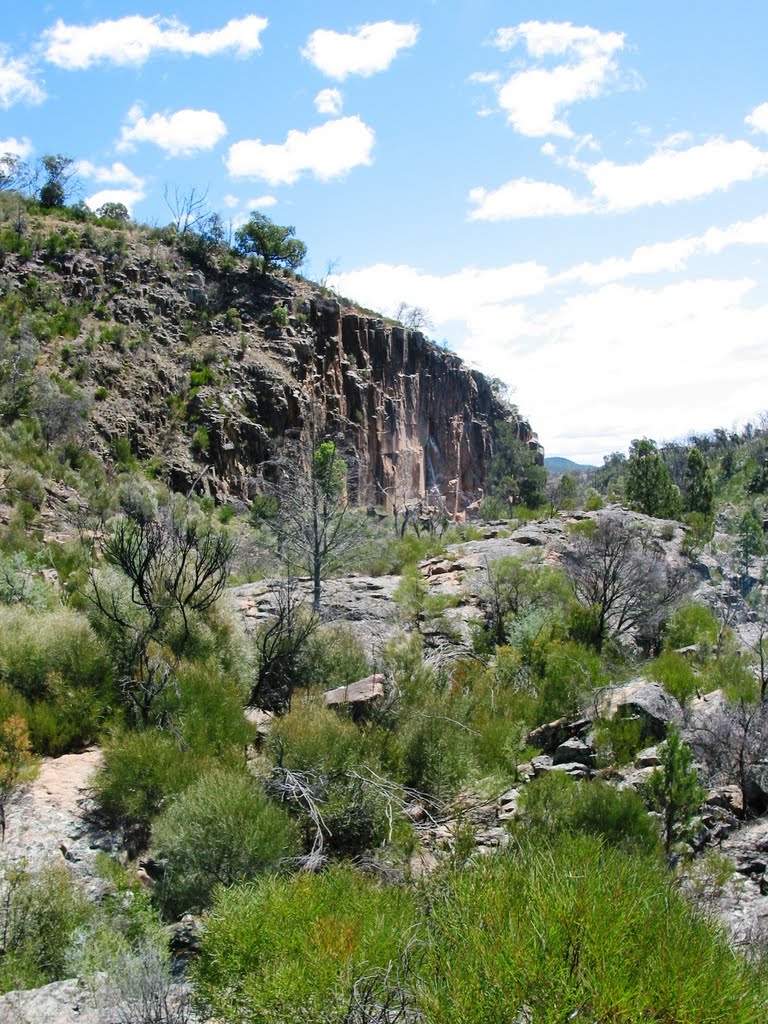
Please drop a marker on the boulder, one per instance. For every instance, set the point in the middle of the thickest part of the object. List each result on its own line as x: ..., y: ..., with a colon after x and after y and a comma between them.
x: 549, y: 737
x: 728, y: 797
x: 357, y: 697
x: 575, y: 751
x: 648, y: 758
x: 647, y: 701
x: 757, y: 786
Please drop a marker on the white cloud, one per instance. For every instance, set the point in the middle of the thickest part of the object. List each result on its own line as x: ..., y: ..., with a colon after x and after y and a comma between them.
x: 669, y: 257
x: 180, y: 134
x: 116, y: 174
x: 127, y: 196
x: 12, y: 146
x: 639, y: 346
x: 329, y: 101
x: 261, y: 202
x: 758, y: 119
x: 134, y: 39
x: 559, y: 38
x: 326, y: 152
x: 537, y: 98
x: 16, y: 82
x: 667, y: 176
x: 596, y: 367
x: 524, y: 197
x: 231, y: 202
x: 447, y: 298
x: 369, y: 49
x: 671, y: 175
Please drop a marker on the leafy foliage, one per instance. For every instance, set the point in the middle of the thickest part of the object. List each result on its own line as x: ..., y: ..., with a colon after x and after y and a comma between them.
x: 221, y: 830
x: 272, y: 243
x: 514, y: 474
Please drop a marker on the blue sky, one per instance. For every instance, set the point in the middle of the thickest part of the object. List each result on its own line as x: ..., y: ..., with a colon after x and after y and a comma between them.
x: 577, y: 193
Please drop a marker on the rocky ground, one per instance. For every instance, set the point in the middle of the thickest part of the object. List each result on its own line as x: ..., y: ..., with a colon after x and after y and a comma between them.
x: 48, y: 818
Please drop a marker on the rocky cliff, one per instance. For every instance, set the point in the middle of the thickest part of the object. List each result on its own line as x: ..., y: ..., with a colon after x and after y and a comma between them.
x: 207, y: 368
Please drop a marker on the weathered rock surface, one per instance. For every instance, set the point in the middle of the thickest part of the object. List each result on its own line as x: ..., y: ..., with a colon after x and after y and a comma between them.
x: 46, y: 820
x: 411, y: 418
x: 647, y: 701
x: 61, y: 1002
x: 357, y: 696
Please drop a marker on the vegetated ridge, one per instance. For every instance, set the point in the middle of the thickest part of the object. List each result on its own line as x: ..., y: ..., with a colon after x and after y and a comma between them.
x: 192, y: 358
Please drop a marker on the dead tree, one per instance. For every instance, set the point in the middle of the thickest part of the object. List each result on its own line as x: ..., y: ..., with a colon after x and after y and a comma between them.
x: 619, y: 574
x: 175, y: 570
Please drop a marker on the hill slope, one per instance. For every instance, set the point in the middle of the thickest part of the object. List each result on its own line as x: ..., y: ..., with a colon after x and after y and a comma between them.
x: 190, y: 358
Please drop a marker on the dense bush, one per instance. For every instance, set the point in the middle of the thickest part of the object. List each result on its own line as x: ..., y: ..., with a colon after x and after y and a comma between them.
x: 39, y: 648
x: 548, y: 930
x: 221, y: 830
x: 675, y: 675
x: 315, y: 738
x: 55, y: 674
x: 555, y: 803
x: 140, y: 771
x: 39, y: 915
x: 289, y: 949
x: 574, y: 926
x: 335, y: 657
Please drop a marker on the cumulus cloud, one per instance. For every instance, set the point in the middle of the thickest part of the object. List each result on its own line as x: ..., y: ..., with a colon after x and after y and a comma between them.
x: 369, y: 49
x: 758, y: 119
x: 12, y: 146
x: 525, y: 197
x: 180, y: 134
x: 127, y: 196
x: 326, y: 152
x: 669, y: 257
x: 671, y: 175
x: 448, y: 297
x: 668, y: 176
x: 536, y: 99
x: 134, y: 39
x: 17, y: 84
x: 329, y: 101
x: 116, y: 174
x: 535, y: 330
x: 261, y: 202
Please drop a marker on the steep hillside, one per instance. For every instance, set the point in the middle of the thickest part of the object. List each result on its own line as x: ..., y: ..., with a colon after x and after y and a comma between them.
x: 206, y: 366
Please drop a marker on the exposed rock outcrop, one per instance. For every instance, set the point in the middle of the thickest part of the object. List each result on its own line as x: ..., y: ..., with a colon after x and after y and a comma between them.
x: 186, y: 359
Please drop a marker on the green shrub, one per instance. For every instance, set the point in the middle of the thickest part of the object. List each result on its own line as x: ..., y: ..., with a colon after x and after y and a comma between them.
x: 335, y: 657
x: 141, y: 770
x: 573, y: 925
x: 279, y: 317
x: 436, y: 752
x: 210, y: 713
x: 290, y: 949
x: 314, y: 738
x: 43, y: 649
x: 675, y: 675
x: 618, y: 739
x: 201, y: 441
x: 123, y: 455
x: 39, y: 914
x: 221, y: 830
x: 594, y: 501
x: 572, y: 673
x: 554, y: 803
x: 692, y: 625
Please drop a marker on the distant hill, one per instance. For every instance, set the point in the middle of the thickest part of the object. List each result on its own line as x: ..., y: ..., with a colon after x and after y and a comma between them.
x: 557, y: 464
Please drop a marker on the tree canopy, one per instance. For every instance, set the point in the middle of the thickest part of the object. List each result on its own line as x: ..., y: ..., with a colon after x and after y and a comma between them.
x: 649, y: 487
x: 275, y: 245
x: 514, y: 474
